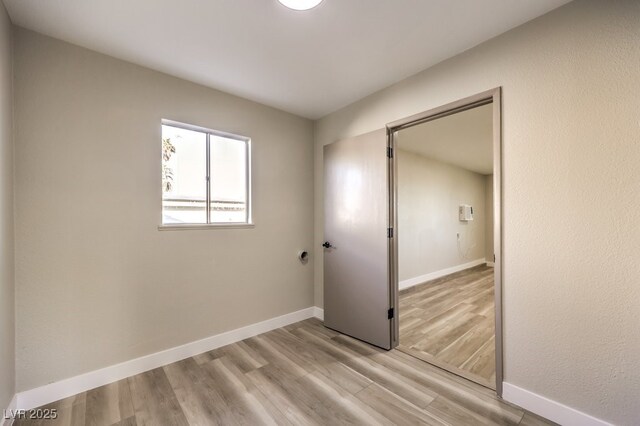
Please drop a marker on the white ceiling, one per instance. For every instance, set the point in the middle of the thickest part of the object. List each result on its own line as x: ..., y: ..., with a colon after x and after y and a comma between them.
x: 464, y: 139
x: 308, y: 63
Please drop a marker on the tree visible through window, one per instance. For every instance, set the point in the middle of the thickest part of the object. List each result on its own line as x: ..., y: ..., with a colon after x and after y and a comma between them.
x: 205, y: 176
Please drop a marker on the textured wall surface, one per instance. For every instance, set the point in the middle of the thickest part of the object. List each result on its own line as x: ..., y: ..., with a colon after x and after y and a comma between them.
x: 571, y: 194
x: 7, y: 319
x: 429, y: 194
x: 97, y: 283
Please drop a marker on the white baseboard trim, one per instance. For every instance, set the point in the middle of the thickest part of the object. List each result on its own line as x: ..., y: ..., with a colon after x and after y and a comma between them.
x: 437, y: 274
x: 7, y: 420
x: 318, y: 313
x: 547, y: 408
x: 58, y: 390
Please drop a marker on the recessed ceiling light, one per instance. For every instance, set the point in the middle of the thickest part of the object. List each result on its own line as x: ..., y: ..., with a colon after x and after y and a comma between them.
x: 300, y: 4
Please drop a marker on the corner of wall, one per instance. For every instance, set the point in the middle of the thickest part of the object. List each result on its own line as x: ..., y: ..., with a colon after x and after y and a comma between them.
x: 7, y: 213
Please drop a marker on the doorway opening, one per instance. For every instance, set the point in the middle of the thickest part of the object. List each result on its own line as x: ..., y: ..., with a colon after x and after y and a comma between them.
x: 445, y: 257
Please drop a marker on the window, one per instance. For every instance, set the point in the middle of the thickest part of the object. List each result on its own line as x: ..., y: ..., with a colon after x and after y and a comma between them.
x: 205, y: 176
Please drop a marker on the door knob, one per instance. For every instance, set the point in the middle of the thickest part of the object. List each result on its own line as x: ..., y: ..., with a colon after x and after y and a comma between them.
x: 327, y: 244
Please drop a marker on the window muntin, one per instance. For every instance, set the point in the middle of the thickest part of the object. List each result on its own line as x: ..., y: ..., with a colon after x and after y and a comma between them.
x: 205, y: 177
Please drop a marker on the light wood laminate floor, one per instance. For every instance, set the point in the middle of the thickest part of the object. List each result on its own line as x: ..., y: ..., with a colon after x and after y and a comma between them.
x: 303, y: 374
x: 450, y: 322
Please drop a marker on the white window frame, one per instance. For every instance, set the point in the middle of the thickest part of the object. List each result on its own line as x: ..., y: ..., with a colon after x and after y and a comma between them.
x: 209, y: 224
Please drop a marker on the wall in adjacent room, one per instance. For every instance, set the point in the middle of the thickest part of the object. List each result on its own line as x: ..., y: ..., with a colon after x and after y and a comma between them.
x: 570, y: 190
x: 7, y: 300
x: 429, y: 194
x: 488, y: 218
x: 97, y: 282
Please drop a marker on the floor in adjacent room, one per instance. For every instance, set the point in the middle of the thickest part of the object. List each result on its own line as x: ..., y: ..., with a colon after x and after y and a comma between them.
x: 296, y: 375
x: 450, y: 322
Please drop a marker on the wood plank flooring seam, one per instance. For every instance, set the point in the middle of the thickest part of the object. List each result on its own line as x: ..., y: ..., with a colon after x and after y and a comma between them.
x: 442, y: 321
x: 302, y: 374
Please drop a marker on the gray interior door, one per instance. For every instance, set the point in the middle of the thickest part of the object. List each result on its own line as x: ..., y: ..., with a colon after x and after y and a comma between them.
x: 356, y: 260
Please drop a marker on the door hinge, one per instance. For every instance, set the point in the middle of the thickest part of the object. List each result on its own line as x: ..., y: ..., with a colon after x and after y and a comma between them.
x: 390, y: 313
x: 389, y: 232
x: 389, y: 152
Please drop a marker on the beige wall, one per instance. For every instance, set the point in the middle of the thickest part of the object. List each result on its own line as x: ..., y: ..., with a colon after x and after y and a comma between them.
x: 488, y: 218
x: 571, y: 204
x: 7, y: 323
x: 429, y: 194
x: 97, y: 283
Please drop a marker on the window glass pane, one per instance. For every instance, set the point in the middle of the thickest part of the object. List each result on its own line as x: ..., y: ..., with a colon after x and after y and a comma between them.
x: 228, y: 186
x: 184, y: 185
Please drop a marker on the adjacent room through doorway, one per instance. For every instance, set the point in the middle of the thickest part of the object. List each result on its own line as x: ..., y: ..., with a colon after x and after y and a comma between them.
x: 445, y: 222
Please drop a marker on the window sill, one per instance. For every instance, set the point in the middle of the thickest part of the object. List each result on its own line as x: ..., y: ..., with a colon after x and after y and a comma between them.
x: 205, y: 226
